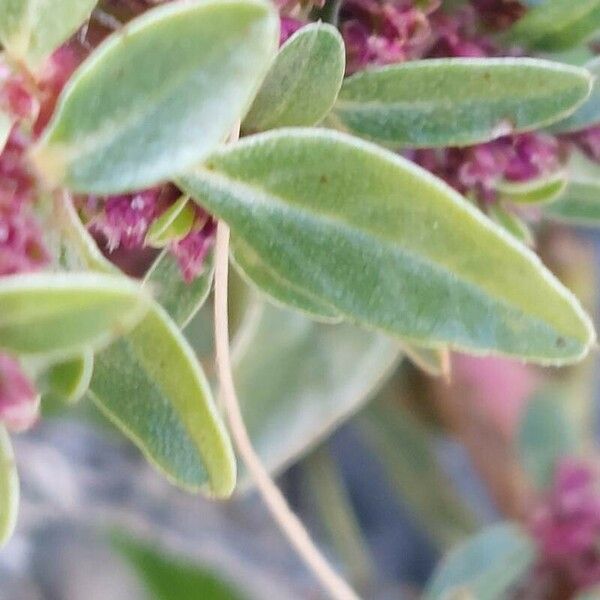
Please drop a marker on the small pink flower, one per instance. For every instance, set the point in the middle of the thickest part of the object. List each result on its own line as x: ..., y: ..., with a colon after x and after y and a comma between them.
x: 566, y: 524
x: 124, y: 220
x: 499, y: 14
x: 475, y: 170
x: 192, y: 250
x: 384, y: 32
x: 19, y: 400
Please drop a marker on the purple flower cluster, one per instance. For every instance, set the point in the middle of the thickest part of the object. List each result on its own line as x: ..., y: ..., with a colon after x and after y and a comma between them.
x: 475, y: 171
x: 566, y: 525
x: 123, y: 222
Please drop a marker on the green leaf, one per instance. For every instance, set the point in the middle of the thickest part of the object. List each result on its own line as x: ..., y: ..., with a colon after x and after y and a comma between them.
x: 485, y: 566
x: 588, y: 114
x: 433, y: 361
x: 9, y: 488
x: 173, y: 225
x: 388, y: 246
x: 557, y: 24
x: 70, y: 380
x: 180, y: 299
x: 512, y: 223
x: 167, y: 577
x: 545, y: 435
x: 536, y: 191
x: 68, y: 312
x: 406, y: 450
x: 298, y: 380
x: 151, y: 386
x: 303, y: 82
x: 277, y: 286
x: 30, y: 30
x: 457, y: 101
x: 579, y: 204
x: 158, y: 95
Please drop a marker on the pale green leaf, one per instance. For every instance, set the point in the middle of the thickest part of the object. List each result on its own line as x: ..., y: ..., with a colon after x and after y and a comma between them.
x: 557, y: 24
x: 588, y: 114
x: 545, y: 435
x: 180, y: 299
x: 9, y: 488
x: 298, y: 380
x: 536, y: 191
x: 150, y: 385
x: 30, y: 30
x: 65, y: 313
x: 512, y: 223
x: 173, y: 225
x: 433, y: 361
x: 158, y: 95
x: 277, y: 286
x: 457, y: 101
x: 388, y: 246
x: 486, y: 566
x: 70, y: 380
x: 303, y: 82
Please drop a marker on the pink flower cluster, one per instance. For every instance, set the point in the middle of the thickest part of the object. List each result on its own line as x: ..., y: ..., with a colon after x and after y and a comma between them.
x: 566, y: 525
x: 19, y: 400
x: 123, y: 222
x: 476, y: 170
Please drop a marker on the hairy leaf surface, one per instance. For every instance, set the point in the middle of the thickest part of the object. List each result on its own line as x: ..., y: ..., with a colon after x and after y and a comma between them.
x: 457, y: 101
x: 388, y: 246
x: 303, y: 82
x: 158, y: 95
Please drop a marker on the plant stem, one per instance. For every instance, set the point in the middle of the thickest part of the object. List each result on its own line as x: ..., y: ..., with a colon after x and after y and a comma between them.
x: 288, y: 522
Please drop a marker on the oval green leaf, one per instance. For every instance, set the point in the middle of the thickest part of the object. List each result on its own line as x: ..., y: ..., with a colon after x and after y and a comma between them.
x: 180, y: 299
x: 388, y: 246
x: 457, y: 101
x: 151, y: 386
x: 512, y: 223
x: 9, y: 488
x: 298, y: 380
x: 277, y: 286
x: 432, y: 361
x: 70, y: 380
x: 30, y: 30
x: 173, y: 225
x: 484, y: 567
x: 537, y: 191
x: 158, y: 95
x: 557, y: 24
x: 303, y: 82
x: 588, y: 114
x: 67, y: 312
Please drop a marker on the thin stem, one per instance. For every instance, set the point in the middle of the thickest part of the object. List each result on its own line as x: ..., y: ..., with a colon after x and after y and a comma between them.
x: 289, y: 523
